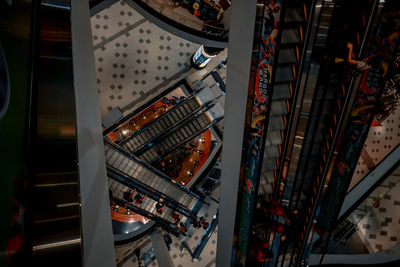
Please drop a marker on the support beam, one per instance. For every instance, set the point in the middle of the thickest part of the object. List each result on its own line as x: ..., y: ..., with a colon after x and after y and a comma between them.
x: 238, y: 72
x: 374, y: 178
x: 161, y: 250
x: 97, y: 239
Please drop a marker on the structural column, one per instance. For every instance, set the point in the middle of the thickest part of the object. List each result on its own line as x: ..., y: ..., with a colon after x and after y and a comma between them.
x: 161, y: 250
x: 241, y: 33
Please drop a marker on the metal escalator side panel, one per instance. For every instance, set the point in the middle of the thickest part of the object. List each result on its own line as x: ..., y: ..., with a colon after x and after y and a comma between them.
x: 137, y: 171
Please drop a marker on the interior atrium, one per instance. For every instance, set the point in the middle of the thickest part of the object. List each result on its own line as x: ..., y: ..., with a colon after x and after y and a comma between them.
x: 200, y: 133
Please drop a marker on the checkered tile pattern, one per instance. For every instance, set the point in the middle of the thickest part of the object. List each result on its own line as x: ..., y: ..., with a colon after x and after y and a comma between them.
x: 380, y: 228
x: 133, y: 56
x: 380, y: 142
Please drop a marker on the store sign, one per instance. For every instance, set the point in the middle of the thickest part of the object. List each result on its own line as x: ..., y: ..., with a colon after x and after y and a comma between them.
x: 259, y: 94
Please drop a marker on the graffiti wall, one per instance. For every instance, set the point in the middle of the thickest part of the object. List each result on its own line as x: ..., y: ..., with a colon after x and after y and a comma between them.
x: 258, y: 106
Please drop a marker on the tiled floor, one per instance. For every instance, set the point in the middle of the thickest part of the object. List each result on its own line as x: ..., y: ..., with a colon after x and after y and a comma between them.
x: 380, y: 228
x: 380, y: 142
x: 134, y: 58
x: 126, y: 258
x: 135, y: 61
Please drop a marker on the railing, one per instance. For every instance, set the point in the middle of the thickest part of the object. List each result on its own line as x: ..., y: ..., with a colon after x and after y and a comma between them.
x: 179, y: 16
x: 150, y: 167
x: 372, y: 201
x: 146, y: 190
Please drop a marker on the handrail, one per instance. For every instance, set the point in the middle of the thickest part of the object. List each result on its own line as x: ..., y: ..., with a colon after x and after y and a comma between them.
x: 133, y: 183
x: 179, y: 29
x: 190, y: 138
x: 149, y: 167
x: 298, y: 91
x: 126, y: 140
x: 369, y: 182
x: 163, y: 222
x: 143, y: 148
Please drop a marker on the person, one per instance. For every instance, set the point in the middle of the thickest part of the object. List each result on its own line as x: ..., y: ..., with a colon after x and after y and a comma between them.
x: 205, y: 225
x: 176, y: 217
x: 264, y: 253
x: 196, y: 223
x: 128, y: 195
x: 275, y: 207
x: 359, y: 64
x: 182, y: 229
x: 139, y: 199
x: 159, y: 207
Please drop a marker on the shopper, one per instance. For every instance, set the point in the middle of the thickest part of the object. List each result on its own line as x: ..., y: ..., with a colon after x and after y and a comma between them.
x: 176, y: 217
x: 159, y: 207
x: 139, y: 199
x: 182, y: 229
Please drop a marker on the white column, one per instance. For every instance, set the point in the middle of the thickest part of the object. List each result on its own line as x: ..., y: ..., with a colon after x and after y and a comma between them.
x: 238, y: 71
x: 161, y: 250
x: 97, y: 238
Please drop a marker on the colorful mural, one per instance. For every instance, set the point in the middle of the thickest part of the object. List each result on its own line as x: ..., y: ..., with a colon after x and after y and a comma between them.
x: 363, y: 111
x: 390, y: 99
x: 258, y: 106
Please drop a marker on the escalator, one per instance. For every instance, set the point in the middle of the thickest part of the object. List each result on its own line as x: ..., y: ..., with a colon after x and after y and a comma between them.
x: 147, y: 208
x: 363, y: 212
x: 315, y: 121
x: 293, y: 30
x: 138, y: 187
x: 176, y: 115
x: 335, y: 159
x: 125, y: 163
x: 181, y: 135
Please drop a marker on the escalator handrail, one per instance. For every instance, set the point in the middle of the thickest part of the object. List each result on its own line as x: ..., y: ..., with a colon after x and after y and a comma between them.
x: 126, y: 180
x: 210, y: 125
x: 163, y: 222
x: 345, y: 114
x: 375, y: 177
x: 158, y: 119
x: 201, y: 109
x: 149, y: 167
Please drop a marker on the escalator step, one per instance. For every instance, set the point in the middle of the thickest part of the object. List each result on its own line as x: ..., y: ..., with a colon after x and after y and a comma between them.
x: 284, y: 74
x: 167, y: 121
x: 188, y: 129
x: 167, y: 143
x: 145, y: 135
x: 197, y: 125
x: 163, y: 125
x: 175, y: 116
x: 179, y: 113
x: 184, y: 133
x: 171, y: 117
x: 290, y: 36
x: 172, y: 140
x: 183, y: 111
x: 175, y: 137
x: 180, y: 135
x: 139, y: 139
x: 281, y: 91
x: 294, y: 14
x: 187, y: 108
x: 287, y: 55
x: 278, y: 108
x: 153, y: 133
x: 194, y: 104
x: 158, y: 127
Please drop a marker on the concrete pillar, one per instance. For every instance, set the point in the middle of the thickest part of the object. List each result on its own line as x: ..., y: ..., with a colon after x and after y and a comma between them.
x: 161, y: 250
x: 240, y: 45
